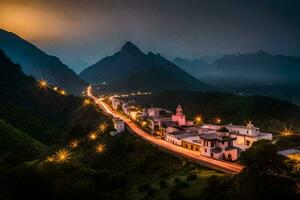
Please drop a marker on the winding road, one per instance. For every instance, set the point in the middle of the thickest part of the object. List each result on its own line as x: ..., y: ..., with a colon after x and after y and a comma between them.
x: 193, y: 156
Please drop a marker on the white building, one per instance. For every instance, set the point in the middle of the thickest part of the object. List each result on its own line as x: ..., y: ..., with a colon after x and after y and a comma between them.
x: 245, y: 135
x: 216, y: 145
x: 116, y: 103
x: 119, y: 125
x: 176, y: 137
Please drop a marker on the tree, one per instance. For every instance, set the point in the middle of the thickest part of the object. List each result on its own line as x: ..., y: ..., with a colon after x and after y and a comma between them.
x: 262, y: 159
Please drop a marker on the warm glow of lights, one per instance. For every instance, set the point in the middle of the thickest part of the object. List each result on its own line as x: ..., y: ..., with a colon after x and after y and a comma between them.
x: 43, y: 83
x: 103, y: 126
x: 296, y: 159
x: 199, y: 119
x: 74, y: 143
x: 62, y: 92
x: 287, y: 132
x: 100, y: 148
x: 62, y: 156
x: 55, y: 88
x: 86, y: 102
x: 218, y: 120
x: 144, y: 123
x: 92, y: 136
x: 50, y: 159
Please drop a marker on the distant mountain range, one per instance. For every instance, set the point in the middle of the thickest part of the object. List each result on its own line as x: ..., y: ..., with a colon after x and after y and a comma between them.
x: 37, y: 63
x: 131, y: 69
x: 194, y: 67
x: 245, y: 67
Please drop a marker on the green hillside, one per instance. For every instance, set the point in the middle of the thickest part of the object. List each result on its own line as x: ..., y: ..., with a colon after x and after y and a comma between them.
x: 19, y: 143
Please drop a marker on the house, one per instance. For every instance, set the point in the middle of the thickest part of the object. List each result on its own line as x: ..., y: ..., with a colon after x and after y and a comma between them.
x: 177, y: 137
x: 191, y: 143
x: 125, y: 108
x: 179, y: 117
x: 217, y: 145
x: 116, y: 103
x: 245, y: 135
x: 119, y: 125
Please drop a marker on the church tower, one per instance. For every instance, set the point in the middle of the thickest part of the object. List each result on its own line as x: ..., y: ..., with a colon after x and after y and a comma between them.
x: 179, y: 110
x: 179, y: 117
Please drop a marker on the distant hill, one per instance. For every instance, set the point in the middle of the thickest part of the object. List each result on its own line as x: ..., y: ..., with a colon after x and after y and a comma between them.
x: 38, y: 112
x: 131, y: 68
x: 253, y: 68
x: 265, y: 112
x: 257, y: 66
x: 195, y: 67
x: 37, y: 63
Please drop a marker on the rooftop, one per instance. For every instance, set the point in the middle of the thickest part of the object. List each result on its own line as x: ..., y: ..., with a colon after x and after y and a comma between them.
x: 216, y: 137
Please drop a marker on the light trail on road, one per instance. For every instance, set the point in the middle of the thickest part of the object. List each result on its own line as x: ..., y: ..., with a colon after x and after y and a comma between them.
x: 221, y: 165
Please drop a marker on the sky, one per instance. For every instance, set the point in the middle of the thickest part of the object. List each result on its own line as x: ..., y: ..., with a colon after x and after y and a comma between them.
x: 82, y: 32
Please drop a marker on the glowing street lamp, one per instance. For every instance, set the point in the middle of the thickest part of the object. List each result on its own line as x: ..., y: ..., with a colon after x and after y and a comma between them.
x: 86, y: 102
x: 74, y: 143
x: 218, y: 121
x: 198, y: 119
x: 287, y: 132
x: 43, y: 83
x: 55, y: 88
x: 100, y: 148
x: 50, y: 159
x: 62, y: 92
x: 92, y: 136
x: 144, y: 124
x: 102, y: 127
x: 62, y: 156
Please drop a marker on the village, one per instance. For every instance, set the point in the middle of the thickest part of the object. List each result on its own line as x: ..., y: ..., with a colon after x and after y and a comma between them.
x: 215, y: 140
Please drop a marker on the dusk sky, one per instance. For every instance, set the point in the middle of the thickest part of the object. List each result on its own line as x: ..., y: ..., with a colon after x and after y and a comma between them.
x: 82, y: 32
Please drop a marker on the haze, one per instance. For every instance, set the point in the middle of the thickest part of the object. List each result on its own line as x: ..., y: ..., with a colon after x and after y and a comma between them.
x: 82, y: 32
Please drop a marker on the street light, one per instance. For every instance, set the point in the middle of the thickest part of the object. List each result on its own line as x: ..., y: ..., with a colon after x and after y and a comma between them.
x: 100, y: 148
x: 92, y: 136
x: 218, y: 121
x: 62, y: 156
x: 86, y: 102
x: 287, y: 132
x: 43, y: 83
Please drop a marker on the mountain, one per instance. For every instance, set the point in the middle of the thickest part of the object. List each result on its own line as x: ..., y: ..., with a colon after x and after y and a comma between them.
x: 211, y: 58
x: 258, y: 66
x: 195, y: 67
x: 35, y: 111
x: 37, y: 63
x: 131, y: 67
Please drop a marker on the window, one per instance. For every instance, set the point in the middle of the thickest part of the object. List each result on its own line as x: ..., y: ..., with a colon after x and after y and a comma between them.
x: 248, y: 142
x: 192, y: 147
x: 186, y: 146
x: 196, y: 149
x: 212, y: 144
x: 205, y: 150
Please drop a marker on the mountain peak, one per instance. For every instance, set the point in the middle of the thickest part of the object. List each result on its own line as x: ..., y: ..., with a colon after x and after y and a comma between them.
x: 130, y: 47
x: 261, y: 52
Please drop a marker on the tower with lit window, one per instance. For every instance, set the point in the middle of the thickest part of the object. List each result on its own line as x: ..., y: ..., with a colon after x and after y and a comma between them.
x: 179, y: 117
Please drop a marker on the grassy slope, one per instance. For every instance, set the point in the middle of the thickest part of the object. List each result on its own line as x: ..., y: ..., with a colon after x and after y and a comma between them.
x: 16, y: 141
